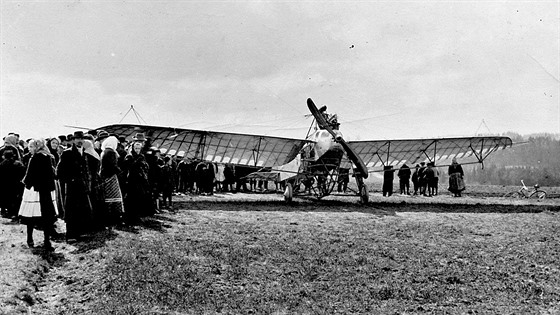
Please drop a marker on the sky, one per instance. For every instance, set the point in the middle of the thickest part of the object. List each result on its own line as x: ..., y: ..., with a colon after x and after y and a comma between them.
x: 389, y: 70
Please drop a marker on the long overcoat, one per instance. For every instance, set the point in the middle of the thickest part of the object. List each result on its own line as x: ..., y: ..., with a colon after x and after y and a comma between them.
x: 73, y: 172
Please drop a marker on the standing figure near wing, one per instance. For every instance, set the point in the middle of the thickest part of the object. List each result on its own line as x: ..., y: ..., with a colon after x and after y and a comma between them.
x: 456, y: 182
x: 404, y: 179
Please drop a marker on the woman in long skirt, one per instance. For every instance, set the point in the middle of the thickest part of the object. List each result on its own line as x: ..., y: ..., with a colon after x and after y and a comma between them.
x: 456, y: 182
x: 109, y: 177
x: 38, y: 209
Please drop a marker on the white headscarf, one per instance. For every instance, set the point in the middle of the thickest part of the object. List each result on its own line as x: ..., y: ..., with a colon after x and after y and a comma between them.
x: 110, y: 143
x: 88, y: 148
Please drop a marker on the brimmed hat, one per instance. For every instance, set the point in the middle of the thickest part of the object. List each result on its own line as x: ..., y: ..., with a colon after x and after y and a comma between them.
x: 102, y: 134
x: 78, y: 135
x: 139, y: 137
x: 62, y: 138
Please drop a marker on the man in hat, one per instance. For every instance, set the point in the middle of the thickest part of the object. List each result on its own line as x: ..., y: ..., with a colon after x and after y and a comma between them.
x: 69, y: 139
x: 73, y: 172
x: 404, y: 179
x: 415, y: 181
x: 146, y: 142
x: 140, y: 136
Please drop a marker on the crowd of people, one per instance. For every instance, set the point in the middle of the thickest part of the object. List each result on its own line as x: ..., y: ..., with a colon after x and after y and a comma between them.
x: 94, y: 181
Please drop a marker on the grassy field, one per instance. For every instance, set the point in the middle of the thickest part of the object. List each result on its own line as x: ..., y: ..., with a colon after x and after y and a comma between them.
x: 314, y: 258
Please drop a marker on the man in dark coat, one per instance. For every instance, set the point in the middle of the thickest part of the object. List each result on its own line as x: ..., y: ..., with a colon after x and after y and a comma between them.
x: 422, y: 178
x: 388, y: 176
x: 11, y: 187
x: 183, y: 171
x: 73, y: 172
x: 404, y: 179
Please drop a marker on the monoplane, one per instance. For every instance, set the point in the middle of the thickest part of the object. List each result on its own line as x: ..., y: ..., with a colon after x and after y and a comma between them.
x: 317, y: 161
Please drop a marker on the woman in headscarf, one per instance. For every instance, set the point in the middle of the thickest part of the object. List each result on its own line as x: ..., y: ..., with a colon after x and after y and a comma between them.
x: 56, y: 149
x: 96, y: 194
x: 138, y: 200
x: 109, y: 177
x: 52, y: 145
x: 11, y: 143
x: 456, y: 183
x: 39, y: 177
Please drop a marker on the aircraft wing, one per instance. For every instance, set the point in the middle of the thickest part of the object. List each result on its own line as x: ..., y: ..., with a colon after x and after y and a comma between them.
x: 219, y: 147
x: 379, y: 153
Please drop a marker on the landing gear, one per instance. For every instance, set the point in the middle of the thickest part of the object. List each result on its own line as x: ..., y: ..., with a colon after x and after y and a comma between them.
x: 288, y: 193
x: 362, y: 190
x: 364, y: 194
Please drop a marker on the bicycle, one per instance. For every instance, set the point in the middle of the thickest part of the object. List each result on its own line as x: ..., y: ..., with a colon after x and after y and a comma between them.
x: 525, y: 193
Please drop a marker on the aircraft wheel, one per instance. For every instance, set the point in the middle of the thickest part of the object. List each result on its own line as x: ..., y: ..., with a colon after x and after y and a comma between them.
x: 364, y: 194
x: 288, y: 193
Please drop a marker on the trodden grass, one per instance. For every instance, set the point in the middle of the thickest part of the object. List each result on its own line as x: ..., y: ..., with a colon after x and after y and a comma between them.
x: 275, y: 262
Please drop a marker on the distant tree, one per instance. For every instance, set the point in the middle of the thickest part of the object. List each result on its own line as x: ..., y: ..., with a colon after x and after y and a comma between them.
x: 533, y: 159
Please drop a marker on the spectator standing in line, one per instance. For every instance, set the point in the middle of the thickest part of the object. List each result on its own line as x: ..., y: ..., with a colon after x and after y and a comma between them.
x: 388, y: 176
x: 138, y: 199
x: 73, y: 172
x: 422, y: 179
x: 39, y: 178
x: 109, y: 177
x: 96, y: 195
x: 429, y: 178
x: 11, y: 144
x: 52, y: 145
x: 183, y: 172
x: 415, y: 181
x: 154, y: 173
x: 12, y: 172
x: 167, y: 182
x: 404, y: 179
x: 434, y: 182
x: 456, y: 182
x: 122, y: 153
x: 229, y: 178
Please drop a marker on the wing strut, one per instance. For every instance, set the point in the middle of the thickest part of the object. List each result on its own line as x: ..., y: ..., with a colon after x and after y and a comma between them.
x: 256, y: 151
x: 201, y: 145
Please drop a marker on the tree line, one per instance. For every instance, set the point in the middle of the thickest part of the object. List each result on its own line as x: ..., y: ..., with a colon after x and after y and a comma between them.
x: 533, y: 158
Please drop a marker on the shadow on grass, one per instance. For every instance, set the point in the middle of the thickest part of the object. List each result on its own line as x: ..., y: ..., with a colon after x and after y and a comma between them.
x: 52, y: 258
x: 155, y: 223
x: 94, y: 241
